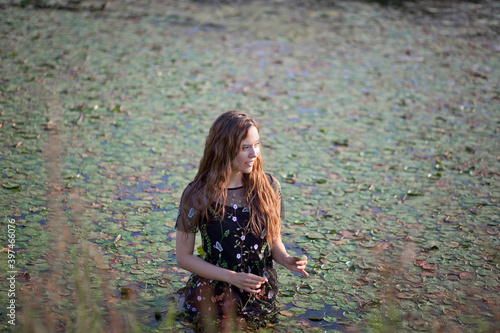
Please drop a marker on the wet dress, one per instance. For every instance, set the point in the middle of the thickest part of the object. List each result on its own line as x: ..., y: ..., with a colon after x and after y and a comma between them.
x: 229, y: 243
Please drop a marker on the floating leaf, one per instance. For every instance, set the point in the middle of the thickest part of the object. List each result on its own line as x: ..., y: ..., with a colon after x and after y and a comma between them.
x: 434, y: 176
x: 308, y: 305
x: 470, y: 150
x: 127, y: 293
x: 330, y: 319
x: 429, y: 266
x: 342, y: 143
x: 137, y: 271
x: 298, y: 310
x: 134, y: 228
x: 368, y: 244
x: 304, y: 289
x: 484, y: 272
x: 11, y: 186
x: 405, y: 295
x: 348, y: 141
x: 315, y: 235
x: 287, y: 313
x: 287, y: 293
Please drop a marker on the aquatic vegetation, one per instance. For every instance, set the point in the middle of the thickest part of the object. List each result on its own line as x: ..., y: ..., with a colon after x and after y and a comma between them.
x: 383, y: 131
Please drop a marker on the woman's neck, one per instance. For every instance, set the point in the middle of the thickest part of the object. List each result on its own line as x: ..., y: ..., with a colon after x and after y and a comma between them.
x: 235, y: 180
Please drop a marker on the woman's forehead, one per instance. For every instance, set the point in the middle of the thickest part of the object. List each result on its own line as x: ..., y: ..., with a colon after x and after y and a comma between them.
x: 252, y: 136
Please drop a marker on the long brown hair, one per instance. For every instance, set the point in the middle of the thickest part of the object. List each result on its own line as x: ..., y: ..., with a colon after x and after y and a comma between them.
x: 222, y: 145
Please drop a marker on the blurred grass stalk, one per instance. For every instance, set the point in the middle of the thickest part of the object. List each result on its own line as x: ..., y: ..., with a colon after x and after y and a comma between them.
x: 73, y: 294
x: 388, y: 316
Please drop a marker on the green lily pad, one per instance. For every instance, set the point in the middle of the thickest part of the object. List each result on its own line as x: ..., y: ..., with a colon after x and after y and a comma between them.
x: 298, y: 310
x: 315, y: 235
x: 330, y: 319
x: 11, y: 186
x: 304, y: 289
x: 134, y: 228
x: 349, y: 247
x: 287, y: 293
x: 308, y: 305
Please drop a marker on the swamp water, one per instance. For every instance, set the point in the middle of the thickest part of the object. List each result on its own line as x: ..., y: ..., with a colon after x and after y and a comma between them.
x: 383, y: 131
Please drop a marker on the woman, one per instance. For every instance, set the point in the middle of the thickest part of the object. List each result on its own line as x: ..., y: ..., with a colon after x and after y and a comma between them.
x: 238, y: 209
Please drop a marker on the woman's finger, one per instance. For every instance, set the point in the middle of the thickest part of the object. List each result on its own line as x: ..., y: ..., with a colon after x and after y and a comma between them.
x: 256, y: 278
x: 254, y: 291
x: 254, y: 285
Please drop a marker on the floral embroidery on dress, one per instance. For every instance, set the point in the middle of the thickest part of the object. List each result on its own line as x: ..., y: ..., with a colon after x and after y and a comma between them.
x: 218, y: 246
x: 239, y: 250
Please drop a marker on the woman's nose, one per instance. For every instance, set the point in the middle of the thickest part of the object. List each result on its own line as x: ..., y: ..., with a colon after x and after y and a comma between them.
x: 253, y: 152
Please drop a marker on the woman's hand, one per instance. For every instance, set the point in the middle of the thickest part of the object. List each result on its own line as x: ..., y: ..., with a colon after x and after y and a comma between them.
x: 248, y: 282
x: 283, y: 258
x: 296, y: 265
x: 186, y: 260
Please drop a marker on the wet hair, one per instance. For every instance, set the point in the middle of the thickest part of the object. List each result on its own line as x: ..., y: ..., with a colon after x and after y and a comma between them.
x: 223, y: 144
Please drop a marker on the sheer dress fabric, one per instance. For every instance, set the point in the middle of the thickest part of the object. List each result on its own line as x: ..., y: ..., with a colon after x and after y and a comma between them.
x: 229, y: 243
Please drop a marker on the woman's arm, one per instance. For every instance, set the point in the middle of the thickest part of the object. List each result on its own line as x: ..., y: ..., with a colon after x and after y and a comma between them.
x: 278, y: 252
x: 283, y: 258
x: 184, y: 249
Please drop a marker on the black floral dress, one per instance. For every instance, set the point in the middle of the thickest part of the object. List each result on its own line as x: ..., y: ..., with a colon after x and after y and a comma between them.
x: 229, y: 243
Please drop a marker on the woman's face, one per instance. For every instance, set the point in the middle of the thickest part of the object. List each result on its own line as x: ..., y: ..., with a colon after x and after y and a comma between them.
x: 250, y: 149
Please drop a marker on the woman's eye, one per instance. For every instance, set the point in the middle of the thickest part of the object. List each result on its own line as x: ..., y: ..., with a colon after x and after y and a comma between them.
x: 246, y: 147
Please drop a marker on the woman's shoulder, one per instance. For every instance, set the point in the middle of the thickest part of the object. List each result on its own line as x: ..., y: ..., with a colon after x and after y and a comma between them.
x: 271, y: 178
x: 187, y: 193
x: 187, y: 188
x: 274, y: 182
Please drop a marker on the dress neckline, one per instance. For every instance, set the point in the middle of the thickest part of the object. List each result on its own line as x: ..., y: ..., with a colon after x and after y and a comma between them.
x: 234, y: 188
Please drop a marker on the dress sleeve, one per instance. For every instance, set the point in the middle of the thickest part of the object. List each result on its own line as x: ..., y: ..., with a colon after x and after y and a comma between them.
x: 188, y: 216
x: 275, y: 184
